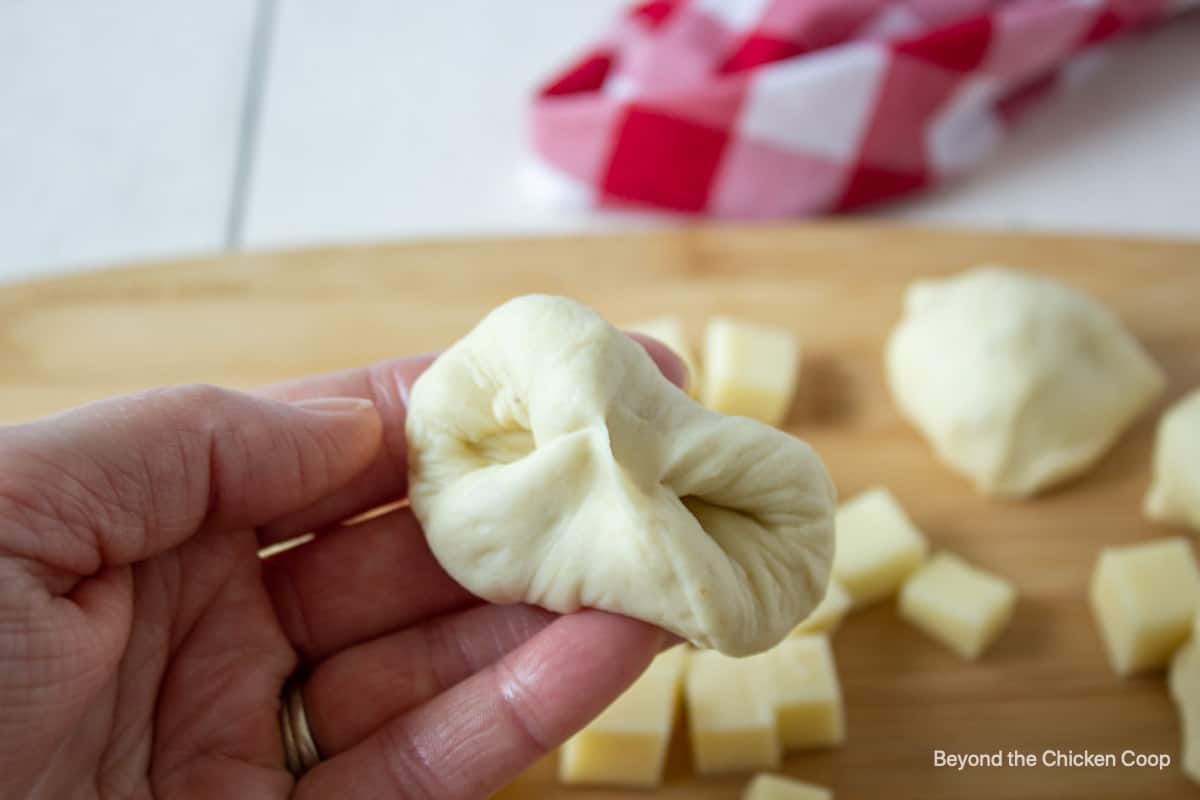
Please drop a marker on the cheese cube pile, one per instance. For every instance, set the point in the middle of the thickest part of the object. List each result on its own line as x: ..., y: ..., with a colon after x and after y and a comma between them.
x: 774, y: 787
x: 627, y: 744
x: 961, y: 606
x: 731, y: 718
x: 749, y: 369
x: 829, y: 613
x: 878, y: 547
x: 1144, y: 598
x: 806, y: 695
x: 669, y: 331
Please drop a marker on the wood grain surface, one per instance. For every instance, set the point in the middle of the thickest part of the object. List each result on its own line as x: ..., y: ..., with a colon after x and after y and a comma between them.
x: 247, y: 320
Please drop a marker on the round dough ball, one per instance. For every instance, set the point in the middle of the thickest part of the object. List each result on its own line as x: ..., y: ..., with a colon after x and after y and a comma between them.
x: 1174, y: 495
x: 552, y: 463
x: 1018, y: 381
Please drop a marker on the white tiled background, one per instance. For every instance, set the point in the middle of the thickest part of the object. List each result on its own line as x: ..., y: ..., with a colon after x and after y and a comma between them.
x: 132, y: 129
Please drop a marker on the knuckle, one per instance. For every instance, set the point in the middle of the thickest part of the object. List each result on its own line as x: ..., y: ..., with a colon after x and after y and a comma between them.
x: 515, y: 700
x: 160, y: 482
x: 193, y: 398
x: 315, y: 456
x: 191, y: 407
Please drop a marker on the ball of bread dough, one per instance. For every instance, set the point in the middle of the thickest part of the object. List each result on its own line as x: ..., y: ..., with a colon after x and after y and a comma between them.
x: 1018, y: 381
x: 1174, y: 495
x: 552, y: 463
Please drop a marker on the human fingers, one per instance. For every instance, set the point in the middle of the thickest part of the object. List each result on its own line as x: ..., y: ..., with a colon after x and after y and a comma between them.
x: 357, y: 690
x: 386, y: 385
x: 117, y: 481
x: 671, y: 366
x: 476, y: 737
x: 355, y: 583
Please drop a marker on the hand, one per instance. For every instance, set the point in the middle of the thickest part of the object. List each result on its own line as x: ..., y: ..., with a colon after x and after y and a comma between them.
x: 144, y: 644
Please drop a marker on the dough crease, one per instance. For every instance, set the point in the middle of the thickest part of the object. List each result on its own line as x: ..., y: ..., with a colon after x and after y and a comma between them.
x: 551, y: 463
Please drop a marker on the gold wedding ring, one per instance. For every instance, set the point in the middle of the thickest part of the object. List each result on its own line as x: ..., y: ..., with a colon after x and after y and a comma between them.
x: 299, y: 748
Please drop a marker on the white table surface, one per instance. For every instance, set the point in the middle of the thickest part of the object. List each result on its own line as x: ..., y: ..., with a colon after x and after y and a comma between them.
x: 137, y: 129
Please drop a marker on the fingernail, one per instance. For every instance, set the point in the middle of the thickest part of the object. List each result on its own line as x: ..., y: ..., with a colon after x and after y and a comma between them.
x: 335, y: 405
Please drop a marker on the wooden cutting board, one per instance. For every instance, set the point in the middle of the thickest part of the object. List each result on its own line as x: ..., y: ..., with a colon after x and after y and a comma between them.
x: 246, y: 320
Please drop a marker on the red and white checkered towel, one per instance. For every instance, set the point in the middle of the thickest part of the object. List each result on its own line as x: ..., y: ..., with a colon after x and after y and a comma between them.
x: 767, y: 108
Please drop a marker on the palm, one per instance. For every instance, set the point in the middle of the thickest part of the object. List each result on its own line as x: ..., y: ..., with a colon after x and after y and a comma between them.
x: 216, y: 719
x: 192, y: 705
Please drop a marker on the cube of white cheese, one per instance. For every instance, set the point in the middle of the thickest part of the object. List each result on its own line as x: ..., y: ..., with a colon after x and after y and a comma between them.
x: 1183, y: 680
x: 1174, y: 495
x: 670, y: 331
x: 805, y: 693
x: 829, y: 613
x: 963, y: 607
x: 749, y: 369
x: 878, y: 547
x: 627, y: 744
x: 776, y: 787
x: 1144, y: 597
x: 731, y: 719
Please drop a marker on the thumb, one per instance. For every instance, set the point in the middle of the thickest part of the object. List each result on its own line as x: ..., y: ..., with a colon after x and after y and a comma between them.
x: 120, y: 480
